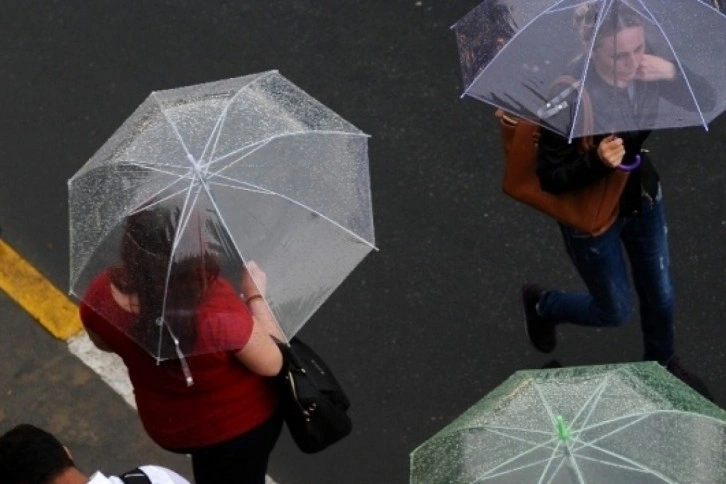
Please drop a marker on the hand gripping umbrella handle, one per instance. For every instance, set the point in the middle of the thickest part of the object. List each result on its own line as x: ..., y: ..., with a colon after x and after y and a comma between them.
x: 631, y: 166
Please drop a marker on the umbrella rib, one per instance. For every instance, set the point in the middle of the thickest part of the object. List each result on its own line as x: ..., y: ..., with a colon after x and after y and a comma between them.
x: 552, y: 419
x: 633, y: 415
x: 518, y: 456
x: 162, y: 322
x: 313, y: 211
x: 570, y: 7
x: 614, y: 464
x: 503, y: 434
x: 645, y: 468
x: 284, y: 135
x: 176, y: 131
x: 216, y: 131
x: 554, y: 474
x: 487, y: 477
x: 680, y: 66
x: 239, y: 185
x: 544, y: 402
x: 223, y: 116
x: 236, y: 247
x: 600, y: 18
x: 504, y: 47
x: 549, y: 462
x: 517, y: 429
x: 247, y: 150
x: 614, y: 431
x: 596, y: 394
x: 146, y: 205
x: 157, y: 168
x: 647, y: 414
x: 179, y: 230
x: 571, y: 457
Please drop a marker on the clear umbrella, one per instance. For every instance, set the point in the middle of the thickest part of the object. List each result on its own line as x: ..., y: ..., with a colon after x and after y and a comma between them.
x: 512, y: 52
x: 627, y: 423
x: 239, y: 170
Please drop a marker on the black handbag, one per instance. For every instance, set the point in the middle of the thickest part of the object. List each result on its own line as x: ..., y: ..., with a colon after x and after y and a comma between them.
x: 314, y: 404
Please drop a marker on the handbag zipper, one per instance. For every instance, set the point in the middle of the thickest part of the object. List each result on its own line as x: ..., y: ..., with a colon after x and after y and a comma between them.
x: 305, y: 411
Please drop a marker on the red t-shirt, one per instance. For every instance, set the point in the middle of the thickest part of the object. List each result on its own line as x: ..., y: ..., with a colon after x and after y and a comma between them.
x: 226, y: 398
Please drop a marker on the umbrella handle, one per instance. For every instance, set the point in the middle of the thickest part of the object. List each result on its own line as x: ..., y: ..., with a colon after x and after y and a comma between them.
x: 632, y: 166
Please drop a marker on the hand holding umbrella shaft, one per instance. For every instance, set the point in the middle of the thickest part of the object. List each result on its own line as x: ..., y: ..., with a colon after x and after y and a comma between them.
x: 611, y: 151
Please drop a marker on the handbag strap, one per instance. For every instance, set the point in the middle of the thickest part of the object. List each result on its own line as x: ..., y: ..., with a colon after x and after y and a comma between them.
x: 135, y: 476
x: 588, y: 120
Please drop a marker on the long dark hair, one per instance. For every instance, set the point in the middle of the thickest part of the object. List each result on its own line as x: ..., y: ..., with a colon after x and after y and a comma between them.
x: 168, y: 285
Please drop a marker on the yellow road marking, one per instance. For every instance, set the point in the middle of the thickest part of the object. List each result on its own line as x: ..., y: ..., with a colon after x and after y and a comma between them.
x: 34, y: 293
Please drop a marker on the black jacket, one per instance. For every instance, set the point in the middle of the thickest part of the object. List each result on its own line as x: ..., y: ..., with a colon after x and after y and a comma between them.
x: 563, y: 166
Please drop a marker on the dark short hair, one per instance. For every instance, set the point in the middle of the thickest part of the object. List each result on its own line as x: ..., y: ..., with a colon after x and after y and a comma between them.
x: 29, y: 455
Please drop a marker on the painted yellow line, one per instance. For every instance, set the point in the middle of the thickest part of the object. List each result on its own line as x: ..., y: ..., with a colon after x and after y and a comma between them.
x: 34, y: 293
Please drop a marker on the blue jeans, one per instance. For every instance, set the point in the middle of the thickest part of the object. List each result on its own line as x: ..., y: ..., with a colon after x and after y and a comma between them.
x: 601, y: 264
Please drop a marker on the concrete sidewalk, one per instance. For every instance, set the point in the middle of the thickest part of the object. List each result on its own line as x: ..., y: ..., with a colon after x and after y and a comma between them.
x: 43, y: 383
x: 54, y: 377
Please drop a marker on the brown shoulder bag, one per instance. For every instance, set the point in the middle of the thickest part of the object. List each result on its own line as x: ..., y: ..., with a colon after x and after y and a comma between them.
x: 591, y: 209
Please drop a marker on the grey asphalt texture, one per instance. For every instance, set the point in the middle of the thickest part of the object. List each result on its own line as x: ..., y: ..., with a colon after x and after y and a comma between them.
x: 430, y: 323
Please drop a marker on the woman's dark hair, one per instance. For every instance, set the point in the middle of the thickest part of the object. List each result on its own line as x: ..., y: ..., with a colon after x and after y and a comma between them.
x: 172, y: 284
x: 29, y: 455
x: 617, y: 18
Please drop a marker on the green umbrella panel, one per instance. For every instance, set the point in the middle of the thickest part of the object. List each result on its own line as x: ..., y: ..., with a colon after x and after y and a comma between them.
x: 626, y: 423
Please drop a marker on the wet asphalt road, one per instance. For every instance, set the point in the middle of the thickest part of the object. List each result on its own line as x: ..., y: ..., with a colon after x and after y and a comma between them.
x: 430, y: 323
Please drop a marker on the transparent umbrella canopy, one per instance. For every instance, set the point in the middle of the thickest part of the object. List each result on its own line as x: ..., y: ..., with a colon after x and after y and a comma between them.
x: 626, y: 423
x: 512, y: 51
x: 251, y: 169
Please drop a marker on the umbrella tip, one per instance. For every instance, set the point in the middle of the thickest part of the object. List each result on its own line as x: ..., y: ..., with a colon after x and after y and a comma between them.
x: 563, y: 431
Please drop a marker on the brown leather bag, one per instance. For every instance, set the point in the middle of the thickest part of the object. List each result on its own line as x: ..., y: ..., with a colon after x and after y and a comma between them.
x: 591, y: 209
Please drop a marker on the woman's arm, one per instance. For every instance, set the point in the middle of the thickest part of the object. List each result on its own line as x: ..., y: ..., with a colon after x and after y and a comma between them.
x: 261, y: 354
x: 673, y: 86
x: 254, y: 288
x: 562, y: 166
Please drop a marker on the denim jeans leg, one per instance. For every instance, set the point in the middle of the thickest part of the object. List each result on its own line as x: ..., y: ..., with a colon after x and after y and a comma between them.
x: 646, y: 243
x: 601, y: 264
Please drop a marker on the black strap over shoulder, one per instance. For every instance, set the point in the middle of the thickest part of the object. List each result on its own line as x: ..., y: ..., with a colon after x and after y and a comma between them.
x: 135, y: 476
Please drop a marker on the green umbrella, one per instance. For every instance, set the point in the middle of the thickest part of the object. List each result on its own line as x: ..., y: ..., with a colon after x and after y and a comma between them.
x: 626, y: 423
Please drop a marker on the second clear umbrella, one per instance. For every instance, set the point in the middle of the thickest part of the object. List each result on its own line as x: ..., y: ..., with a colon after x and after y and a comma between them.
x: 627, y: 423
x: 228, y: 172
x: 512, y: 52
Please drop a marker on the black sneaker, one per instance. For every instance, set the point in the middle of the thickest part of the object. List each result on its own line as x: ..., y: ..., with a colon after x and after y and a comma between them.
x: 540, y: 331
x: 675, y: 368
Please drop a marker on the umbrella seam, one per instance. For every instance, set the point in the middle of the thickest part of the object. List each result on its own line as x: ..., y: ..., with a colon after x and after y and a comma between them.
x: 516, y: 34
x: 680, y: 66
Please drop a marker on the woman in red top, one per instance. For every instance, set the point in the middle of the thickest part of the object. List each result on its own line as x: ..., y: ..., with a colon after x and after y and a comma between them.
x: 228, y: 420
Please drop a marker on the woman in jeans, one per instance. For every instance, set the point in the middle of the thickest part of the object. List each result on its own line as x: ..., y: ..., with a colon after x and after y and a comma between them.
x: 624, y: 82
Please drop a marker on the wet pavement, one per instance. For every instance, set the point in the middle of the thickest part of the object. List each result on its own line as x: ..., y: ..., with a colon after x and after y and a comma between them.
x: 424, y: 327
x: 43, y: 384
